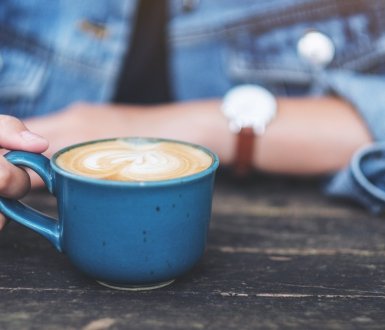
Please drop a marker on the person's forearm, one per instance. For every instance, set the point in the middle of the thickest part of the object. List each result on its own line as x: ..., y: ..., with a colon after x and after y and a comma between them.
x: 309, y: 136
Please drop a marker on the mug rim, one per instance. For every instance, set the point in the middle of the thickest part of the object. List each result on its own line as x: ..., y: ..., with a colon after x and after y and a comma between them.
x: 155, y: 183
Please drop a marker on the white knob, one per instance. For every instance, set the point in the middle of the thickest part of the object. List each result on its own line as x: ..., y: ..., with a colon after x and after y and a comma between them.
x: 316, y: 48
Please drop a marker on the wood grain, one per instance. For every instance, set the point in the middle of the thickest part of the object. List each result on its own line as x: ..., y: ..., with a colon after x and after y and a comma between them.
x: 280, y: 255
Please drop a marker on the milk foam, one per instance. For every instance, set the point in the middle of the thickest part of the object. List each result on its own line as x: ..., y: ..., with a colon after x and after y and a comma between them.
x: 129, y: 161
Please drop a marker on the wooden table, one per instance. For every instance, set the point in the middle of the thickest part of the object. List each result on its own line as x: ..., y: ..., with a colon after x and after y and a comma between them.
x: 280, y: 255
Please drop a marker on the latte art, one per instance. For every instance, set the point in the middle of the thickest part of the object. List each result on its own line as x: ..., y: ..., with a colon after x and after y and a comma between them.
x: 122, y: 160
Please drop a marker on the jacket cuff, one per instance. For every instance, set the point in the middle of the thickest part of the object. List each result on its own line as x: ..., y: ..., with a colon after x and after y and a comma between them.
x: 364, y: 180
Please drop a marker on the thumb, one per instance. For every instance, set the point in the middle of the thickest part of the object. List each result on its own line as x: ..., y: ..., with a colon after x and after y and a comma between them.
x: 3, y: 221
x: 14, y: 135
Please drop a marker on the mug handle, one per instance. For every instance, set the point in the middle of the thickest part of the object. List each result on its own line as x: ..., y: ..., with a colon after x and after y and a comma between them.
x: 44, y: 225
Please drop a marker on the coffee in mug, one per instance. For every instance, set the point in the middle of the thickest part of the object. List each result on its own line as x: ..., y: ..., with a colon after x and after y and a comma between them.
x: 135, y: 160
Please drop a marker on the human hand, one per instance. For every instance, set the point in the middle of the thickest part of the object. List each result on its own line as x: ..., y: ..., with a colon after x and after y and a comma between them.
x: 14, y: 181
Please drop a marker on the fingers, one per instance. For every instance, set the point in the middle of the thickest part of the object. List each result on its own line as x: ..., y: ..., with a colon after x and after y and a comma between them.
x: 14, y: 135
x: 3, y: 221
x: 14, y: 181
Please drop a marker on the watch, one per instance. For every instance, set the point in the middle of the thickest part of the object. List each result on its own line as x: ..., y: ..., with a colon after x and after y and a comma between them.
x: 249, y: 109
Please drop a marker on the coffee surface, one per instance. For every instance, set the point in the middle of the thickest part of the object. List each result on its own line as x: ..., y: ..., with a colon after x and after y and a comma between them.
x: 134, y: 160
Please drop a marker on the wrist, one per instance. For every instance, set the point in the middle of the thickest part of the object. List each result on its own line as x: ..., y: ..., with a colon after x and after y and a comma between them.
x: 249, y: 110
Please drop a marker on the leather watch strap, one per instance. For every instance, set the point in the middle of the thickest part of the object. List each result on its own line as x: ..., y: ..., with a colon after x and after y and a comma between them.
x: 244, y: 151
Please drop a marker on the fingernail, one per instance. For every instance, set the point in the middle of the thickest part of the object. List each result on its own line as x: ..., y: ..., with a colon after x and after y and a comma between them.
x: 32, y: 137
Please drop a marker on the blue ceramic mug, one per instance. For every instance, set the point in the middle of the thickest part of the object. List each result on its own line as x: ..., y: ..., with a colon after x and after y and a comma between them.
x: 130, y: 235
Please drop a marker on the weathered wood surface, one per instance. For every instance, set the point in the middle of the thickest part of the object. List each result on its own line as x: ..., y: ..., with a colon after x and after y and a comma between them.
x: 280, y: 255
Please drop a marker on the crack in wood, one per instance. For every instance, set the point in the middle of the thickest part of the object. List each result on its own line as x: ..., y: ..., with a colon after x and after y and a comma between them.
x: 299, y: 251
x: 299, y: 295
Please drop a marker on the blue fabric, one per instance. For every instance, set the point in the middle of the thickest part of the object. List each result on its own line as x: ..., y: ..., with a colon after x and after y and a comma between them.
x: 54, y: 53
x: 364, y: 180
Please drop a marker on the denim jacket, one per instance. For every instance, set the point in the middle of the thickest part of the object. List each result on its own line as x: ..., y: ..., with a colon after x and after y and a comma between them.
x: 53, y: 53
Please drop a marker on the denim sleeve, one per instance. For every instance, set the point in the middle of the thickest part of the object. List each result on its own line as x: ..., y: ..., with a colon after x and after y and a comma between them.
x: 363, y: 181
